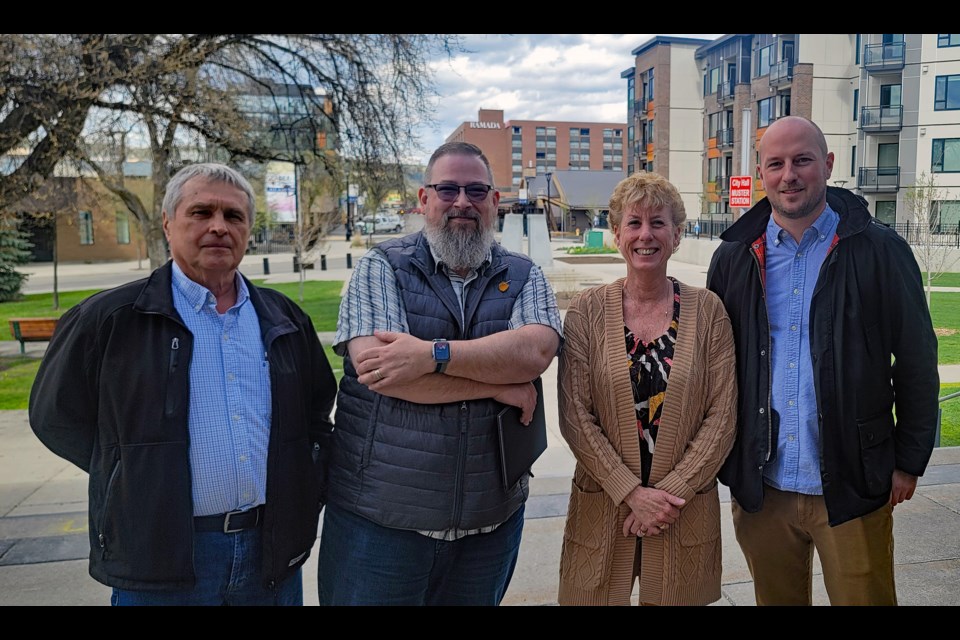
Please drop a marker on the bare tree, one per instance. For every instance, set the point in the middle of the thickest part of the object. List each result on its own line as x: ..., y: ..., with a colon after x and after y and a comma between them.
x: 215, y: 94
x: 922, y: 204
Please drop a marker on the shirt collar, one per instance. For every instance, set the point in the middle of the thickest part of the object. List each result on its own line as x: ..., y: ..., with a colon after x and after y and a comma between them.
x: 198, y: 296
x: 826, y: 221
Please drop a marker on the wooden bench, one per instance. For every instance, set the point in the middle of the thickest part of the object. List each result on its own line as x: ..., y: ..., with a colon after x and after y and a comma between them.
x: 32, y: 330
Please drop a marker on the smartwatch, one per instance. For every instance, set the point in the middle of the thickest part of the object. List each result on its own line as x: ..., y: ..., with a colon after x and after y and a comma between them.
x: 441, y: 354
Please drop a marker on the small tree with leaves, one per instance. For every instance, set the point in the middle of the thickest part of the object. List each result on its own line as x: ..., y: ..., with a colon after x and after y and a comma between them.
x: 14, y: 251
x: 922, y: 204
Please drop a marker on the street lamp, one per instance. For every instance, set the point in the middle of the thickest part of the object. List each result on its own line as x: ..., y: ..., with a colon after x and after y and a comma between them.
x: 549, y: 177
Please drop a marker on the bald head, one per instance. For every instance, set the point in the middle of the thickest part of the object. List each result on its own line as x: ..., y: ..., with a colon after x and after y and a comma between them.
x: 795, y: 166
x: 795, y: 126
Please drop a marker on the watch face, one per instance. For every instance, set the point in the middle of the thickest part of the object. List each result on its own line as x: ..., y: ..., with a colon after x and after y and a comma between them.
x: 441, y: 351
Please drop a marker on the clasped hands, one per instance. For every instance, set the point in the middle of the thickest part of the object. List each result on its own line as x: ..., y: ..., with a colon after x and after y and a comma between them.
x: 652, y: 511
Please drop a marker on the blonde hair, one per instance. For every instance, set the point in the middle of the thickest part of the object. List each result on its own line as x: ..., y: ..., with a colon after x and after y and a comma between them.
x: 646, y: 190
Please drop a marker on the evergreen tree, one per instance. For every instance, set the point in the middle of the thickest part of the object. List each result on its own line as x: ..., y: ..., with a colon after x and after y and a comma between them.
x: 14, y: 250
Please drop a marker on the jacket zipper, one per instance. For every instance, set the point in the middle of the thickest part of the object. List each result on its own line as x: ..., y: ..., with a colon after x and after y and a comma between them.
x: 766, y: 457
x: 461, y: 464
x: 171, y: 370
x: 101, y: 538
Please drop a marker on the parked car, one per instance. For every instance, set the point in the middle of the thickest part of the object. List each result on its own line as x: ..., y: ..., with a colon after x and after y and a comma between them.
x: 382, y: 222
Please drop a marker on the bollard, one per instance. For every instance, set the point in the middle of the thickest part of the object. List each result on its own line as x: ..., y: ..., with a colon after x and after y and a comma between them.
x: 266, y: 266
x: 349, y: 261
x: 296, y: 264
x: 323, y: 263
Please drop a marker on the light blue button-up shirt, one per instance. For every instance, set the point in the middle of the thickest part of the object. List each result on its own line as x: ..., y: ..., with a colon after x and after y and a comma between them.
x: 230, y: 399
x: 792, y: 272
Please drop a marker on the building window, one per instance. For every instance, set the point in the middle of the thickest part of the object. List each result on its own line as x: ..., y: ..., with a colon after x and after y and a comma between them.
x: 857, y: 54
x: 713, y: 169
x: 784, y: 106
x: 948, y: 40
x: 890, y: 95
x: 575, y: 132
x: 541, y: 131
x: 85, y: 227
x: 123, y: 228
x: 856, y: 103
x: 948, y: 212
x: 650, y: 84
x: 713, y: 123
x: 764, y: 58
x: 711, y: 81
x: 946, y: 155
x: 516, y: 130
x: 765, y: 115
x: 853, y: 160
x: 887, y: 211
x: 946, y: 94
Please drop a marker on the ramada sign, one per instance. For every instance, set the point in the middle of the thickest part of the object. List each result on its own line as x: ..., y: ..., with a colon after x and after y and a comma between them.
x: 741, y: 191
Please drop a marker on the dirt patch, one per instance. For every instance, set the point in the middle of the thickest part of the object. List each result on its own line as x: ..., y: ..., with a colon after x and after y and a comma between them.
x: 944, y: 331
x: 591, y: 259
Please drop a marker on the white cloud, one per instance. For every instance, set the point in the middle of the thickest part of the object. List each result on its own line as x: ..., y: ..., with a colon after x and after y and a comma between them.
x: 533, y: 77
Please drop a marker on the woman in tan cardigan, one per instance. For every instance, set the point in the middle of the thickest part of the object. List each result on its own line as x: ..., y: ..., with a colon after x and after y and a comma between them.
x: 647, y: 393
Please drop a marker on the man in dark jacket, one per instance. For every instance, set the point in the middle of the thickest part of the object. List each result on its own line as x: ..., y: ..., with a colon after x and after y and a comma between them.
x: 200, y: 406
x: 831, y: 327
x: 440, y: 330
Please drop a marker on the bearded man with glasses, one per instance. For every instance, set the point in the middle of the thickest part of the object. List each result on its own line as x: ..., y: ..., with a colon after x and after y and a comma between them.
x: 440, y: 330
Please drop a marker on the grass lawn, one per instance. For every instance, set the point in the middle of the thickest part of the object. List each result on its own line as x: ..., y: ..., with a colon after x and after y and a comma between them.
x: 945, y: 280
x: 945, y: 309
x: 321, y: 302
x: 950, y: 418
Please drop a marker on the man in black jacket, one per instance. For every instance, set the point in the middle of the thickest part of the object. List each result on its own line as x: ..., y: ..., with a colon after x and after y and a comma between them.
x: 831, y: 327
x: 200, y: 406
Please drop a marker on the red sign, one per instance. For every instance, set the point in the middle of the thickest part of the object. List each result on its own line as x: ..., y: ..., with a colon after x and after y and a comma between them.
x: 741, y: 191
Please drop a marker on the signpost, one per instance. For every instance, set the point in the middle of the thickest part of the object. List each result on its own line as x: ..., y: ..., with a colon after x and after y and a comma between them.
x: 741, y: 191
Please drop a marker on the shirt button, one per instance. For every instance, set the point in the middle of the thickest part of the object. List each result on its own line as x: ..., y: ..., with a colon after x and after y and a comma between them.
x: 232, y: 377
x: 761, y: 410
x: 800, y: 254
x: 791, y: 437
x: 236, y: 418
x: 226, y: 337
x: 793, y: 327
x: 796, y: 292
x: 763, y: 352
x: 793, y: 365
x: 790, y: 403
x: 822, y: 237
x: 243, y: 457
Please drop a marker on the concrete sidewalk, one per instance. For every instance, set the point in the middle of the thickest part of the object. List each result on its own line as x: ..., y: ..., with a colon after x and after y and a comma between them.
x: 43, y: 499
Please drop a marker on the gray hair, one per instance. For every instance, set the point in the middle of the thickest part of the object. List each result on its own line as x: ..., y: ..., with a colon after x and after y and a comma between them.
x: 456, y: 149
x: 212, y: 172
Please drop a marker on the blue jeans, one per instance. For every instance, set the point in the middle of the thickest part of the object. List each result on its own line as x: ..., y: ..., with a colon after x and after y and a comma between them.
x: 363, y: 563
x: 227, y: 566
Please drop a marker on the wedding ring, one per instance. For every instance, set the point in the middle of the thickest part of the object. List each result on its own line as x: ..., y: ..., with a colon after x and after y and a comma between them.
x: 378, y: 374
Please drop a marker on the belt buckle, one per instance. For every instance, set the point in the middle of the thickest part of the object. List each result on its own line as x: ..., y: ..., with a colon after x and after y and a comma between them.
x: 226, y: 522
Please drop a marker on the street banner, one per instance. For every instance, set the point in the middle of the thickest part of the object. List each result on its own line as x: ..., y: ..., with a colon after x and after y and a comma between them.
x: 281, y: 184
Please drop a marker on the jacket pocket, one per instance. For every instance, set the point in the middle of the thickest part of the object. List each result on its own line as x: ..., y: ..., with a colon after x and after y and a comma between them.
x: 697, y: 560
x: 877, y: 455
x: 371, y: 433
x: 588, y: 538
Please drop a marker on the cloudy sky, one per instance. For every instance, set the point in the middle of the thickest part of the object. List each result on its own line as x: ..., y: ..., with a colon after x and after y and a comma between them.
x: 535, y: 77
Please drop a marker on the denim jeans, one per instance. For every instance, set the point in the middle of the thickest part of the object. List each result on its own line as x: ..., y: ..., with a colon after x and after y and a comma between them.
x: 363, y: 563
x: 227, y: 566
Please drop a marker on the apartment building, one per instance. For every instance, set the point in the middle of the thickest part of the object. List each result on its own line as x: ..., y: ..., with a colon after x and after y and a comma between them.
x: 519, y: 148
x: 665, y: 114
x: 888, y: 104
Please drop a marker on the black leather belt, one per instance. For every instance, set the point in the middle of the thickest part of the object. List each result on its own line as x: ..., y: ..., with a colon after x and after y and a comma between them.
x: 230, y: 522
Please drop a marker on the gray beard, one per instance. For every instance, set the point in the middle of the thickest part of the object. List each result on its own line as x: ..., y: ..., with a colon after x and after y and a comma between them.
x: 459, y: 250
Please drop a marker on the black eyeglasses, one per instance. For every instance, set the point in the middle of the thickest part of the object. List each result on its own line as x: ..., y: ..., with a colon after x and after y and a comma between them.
x: 448, y: 192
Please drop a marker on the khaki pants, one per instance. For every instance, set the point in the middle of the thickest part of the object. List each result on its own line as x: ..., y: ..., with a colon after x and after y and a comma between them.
x: 778, y: 542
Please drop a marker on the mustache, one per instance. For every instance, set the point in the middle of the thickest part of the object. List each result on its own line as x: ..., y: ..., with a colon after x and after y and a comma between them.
x: 460, y: 213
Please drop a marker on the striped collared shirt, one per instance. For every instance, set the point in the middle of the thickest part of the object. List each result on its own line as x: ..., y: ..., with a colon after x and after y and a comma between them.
x: 373, y: 302
x: 230, y: 402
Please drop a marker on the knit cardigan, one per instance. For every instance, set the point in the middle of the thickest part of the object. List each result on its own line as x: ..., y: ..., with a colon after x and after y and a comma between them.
x: 682, y: 565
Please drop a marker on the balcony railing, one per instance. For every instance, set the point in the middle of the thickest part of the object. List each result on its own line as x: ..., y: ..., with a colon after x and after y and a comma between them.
x: 878, y: 179
x: 781, y: 73
x: 725, y: 92
x: 724, y: 138
x: 883, y: 57
x: 881, y: 119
